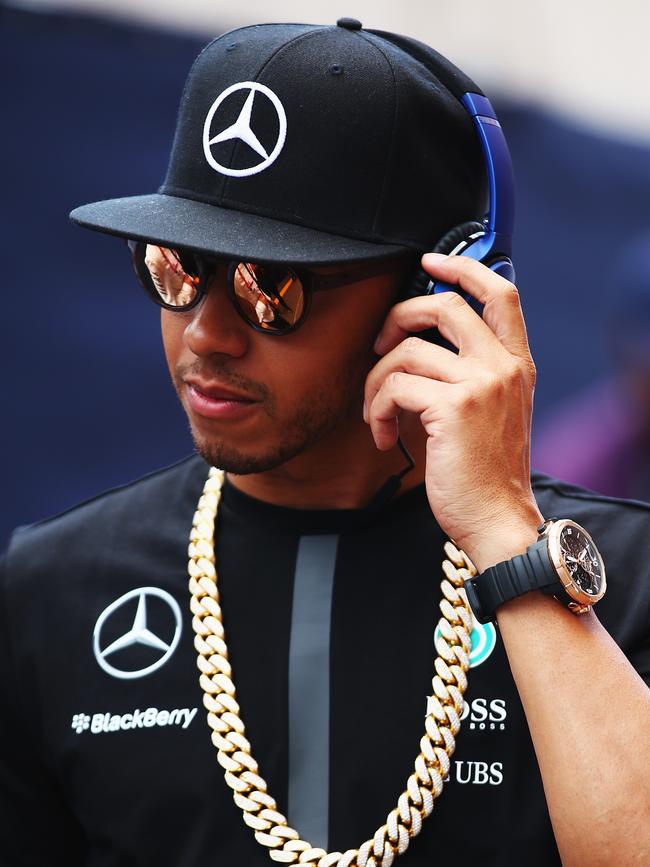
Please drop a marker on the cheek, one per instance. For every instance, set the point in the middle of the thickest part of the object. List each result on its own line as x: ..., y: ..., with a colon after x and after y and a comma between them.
x: 333, y: 349
x: 172, y: 326
x: 350, y: 324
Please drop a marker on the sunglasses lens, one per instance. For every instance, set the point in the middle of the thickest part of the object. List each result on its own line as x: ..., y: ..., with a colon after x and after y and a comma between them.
x: 172, y: 280
x: 271, y: 297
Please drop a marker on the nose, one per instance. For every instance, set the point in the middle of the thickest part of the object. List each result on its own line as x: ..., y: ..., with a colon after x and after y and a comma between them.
x: 215, y: 326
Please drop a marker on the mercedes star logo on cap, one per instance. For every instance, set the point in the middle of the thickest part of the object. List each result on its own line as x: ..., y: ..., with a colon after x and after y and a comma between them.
x: 241, y: 129
x: 139, y: 633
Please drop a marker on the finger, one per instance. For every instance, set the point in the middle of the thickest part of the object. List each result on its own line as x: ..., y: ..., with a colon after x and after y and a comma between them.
x: 421, y: 358
x: 500, y: 298
x: 449, y: 313
x: 402, y: 391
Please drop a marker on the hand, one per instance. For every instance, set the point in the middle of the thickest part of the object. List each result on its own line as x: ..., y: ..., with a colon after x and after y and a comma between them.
x: 475, y: 407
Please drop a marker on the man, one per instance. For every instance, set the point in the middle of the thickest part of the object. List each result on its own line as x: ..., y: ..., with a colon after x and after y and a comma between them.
x: 315, y: 165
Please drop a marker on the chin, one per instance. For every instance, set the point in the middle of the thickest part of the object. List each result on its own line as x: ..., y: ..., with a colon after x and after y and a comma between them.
x: 240, y: 463
x: 283, y: 437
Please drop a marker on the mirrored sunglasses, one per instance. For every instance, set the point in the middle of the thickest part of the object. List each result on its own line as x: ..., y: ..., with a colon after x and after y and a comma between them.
x: 273, y: 298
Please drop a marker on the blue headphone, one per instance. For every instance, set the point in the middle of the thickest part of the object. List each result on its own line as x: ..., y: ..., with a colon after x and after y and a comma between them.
x: 490, y: 239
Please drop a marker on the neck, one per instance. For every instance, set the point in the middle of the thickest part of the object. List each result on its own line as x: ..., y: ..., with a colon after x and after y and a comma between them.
x: 342, y: 471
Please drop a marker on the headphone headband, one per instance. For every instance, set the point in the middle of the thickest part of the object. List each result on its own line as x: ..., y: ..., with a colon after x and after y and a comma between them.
x: 501, y: 181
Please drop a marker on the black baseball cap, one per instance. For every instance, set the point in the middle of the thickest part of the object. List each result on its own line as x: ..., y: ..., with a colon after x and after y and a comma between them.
x: 310, y: 144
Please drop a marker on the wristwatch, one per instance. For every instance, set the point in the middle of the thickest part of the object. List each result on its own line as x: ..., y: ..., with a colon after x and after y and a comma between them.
x: 564, y: 562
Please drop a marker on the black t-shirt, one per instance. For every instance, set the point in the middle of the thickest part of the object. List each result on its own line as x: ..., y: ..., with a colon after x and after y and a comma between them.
x: 330, y: 618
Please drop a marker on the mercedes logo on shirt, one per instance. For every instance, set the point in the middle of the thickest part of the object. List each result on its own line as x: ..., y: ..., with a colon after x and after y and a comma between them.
x: 246, y: 129
x: 126, y: 625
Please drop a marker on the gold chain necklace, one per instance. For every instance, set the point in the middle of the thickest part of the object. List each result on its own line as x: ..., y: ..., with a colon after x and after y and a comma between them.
x: 241, y: 772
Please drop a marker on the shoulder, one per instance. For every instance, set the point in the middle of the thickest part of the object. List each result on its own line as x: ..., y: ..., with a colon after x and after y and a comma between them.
x: 146, y: 510
x: 600, y: 514
x: 621, y: 530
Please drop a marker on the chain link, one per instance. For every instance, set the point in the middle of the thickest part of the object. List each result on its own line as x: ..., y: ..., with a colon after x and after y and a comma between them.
x: 241, y: 771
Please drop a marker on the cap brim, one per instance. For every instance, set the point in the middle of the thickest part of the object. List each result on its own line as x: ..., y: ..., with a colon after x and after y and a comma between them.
x: 179, y: 222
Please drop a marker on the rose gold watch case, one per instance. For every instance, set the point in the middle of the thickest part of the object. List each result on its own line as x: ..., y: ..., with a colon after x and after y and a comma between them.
x: 582, y: 601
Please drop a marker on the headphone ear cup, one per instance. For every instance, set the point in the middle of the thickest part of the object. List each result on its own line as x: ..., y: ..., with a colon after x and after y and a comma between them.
x: 453, y: 241
x: 460, y: 234
x: 416, y: 284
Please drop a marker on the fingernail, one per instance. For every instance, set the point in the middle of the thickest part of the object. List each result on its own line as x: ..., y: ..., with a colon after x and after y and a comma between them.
x: 379, y: 343
x: 365, y: 412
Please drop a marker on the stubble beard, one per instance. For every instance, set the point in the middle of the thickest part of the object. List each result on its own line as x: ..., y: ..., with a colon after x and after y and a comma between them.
x: 330, y: 407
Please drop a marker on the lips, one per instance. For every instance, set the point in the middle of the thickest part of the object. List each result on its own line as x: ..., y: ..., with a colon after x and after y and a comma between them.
x: 210, y: 400
x: 217, y: 392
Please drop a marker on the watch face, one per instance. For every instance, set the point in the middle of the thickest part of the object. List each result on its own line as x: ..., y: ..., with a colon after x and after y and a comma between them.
x: 582, y: 560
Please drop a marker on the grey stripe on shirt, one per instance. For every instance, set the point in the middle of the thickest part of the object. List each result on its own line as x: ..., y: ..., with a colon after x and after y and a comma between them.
x: 309, y: 688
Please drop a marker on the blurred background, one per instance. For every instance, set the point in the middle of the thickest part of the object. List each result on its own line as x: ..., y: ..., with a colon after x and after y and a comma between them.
x: 90, y: 93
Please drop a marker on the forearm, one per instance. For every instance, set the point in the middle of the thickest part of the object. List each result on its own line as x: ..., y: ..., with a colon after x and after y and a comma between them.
x: 588, y: 712
x: 587, y: 709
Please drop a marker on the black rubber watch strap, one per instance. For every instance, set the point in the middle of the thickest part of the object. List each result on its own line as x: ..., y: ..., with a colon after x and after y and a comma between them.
x: 511, y: 578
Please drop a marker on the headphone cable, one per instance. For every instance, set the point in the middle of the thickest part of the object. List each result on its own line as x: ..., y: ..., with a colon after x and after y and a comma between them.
x: 392, y: 484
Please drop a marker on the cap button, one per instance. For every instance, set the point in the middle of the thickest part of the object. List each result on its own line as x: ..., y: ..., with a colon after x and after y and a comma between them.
x: 349, y: 23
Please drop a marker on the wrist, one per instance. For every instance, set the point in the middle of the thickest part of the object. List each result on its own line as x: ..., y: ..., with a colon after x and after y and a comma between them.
x: 502, y: 542
x: 532, y: 606
x: 562, y: 562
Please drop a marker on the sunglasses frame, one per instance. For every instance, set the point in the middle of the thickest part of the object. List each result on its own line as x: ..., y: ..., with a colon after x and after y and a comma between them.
x: 206, y: 265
